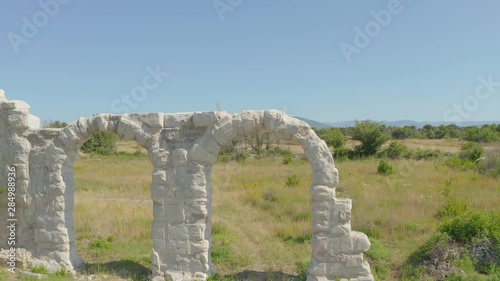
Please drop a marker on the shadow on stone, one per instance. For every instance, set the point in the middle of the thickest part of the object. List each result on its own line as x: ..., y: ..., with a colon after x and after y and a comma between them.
x: 125, y: 269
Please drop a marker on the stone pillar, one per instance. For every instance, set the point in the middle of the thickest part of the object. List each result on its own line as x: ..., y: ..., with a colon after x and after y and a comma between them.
x: 15, y: 125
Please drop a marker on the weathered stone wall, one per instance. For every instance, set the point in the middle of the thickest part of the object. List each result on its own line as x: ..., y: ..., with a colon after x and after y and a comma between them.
x: 183, y: 148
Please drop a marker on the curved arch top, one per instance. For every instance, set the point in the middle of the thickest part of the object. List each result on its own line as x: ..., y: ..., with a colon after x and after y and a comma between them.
x: 182, y: 147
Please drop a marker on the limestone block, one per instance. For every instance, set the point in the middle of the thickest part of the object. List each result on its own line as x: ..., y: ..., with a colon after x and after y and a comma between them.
x: 274, y: 120
x: 16, y: 104
x: 355, y: 272
x: 198, y: 207
x: 296, y: 127
x: 322, y: 193
x: 177, y: 232
x: 174, y: 276
x: 354, y: 260
x: 209, y: 143
x: 199, y: 154
x: 23, y: 171
x: 160, y: 157
x: 197, y: 192
x: 158, y: 230
x: 249, y: 122
x: 341, y: 229
x: 180, y: 247
x: 176, y: 120
x: 18, y: 119
x: 58, y: 236
x: 51, y: 219
x: 317, y: 269
x: 179, y: 157
x: 33, y: 122
x: 55, y: 155
x: 198, y: 247
x: 91, y: 124
x: 49, y: 203
x: 2, y: 96
x: 356, y: 243
x: 175, y: 213
x: 204, y: 119
x: 196, y: 232
x: 128, y: 127
x: 81, y: 128
x: 70, y: 138
x: 158, y: 191
x: 102, y: 121
x: 160, y: 177
x: 342, y: 210
x: 224, y: 131
x: 152, y: 120
x: 328, y: 176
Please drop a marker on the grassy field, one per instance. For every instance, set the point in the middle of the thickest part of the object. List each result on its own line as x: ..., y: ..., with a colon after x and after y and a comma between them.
x: 113, y: 212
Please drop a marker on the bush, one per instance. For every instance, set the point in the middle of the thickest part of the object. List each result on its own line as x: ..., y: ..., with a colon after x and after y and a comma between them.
x: 490, y: 165
x: 384, y: 168
x: 288, y: 159
x: 101, y: 143
x: 342, y: 153
x: 461, y: 164
x: 473, y: 225
x: 333, y: 137
x: 371, y: 136
x: 425, y: 154
x: 293, y: 181
x: 471, y: 151
x: 396, y: 150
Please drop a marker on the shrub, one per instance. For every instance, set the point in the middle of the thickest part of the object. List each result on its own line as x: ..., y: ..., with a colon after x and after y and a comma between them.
x: 425, y: 154
x: 384, y: 168
x: 101, y: 143
x: 396, y: 150
x: 333, y: 137
x: 343, y: 153
x: 293, y: 181
x: 371, y: 136
x: 453, y: 208
x: 473, y: 225
x: 490, y: 165
x: 288, y: 159
x: 471, y: 151
x: 461, y: 164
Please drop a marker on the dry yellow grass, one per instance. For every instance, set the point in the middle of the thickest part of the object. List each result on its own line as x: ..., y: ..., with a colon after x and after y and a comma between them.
x: 264, y: 224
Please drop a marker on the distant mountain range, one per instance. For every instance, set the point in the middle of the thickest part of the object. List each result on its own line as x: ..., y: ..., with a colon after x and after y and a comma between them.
x: 401, y: 123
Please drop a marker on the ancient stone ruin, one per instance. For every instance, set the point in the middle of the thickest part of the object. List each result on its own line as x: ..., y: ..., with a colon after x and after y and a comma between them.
x: 183, y: 148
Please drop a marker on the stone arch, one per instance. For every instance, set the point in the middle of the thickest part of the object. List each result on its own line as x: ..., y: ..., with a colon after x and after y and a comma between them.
x: 183, y: 148
x: 54, y: 233
x: 337, y: 251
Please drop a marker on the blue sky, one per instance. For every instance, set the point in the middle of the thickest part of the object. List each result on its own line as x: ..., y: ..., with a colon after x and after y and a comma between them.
x: 419, y: 60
